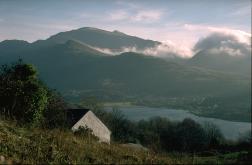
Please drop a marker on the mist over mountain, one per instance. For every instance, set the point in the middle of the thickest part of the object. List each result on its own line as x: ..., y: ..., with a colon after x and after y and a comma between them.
x: 223, y: 52
x: 76, y: 64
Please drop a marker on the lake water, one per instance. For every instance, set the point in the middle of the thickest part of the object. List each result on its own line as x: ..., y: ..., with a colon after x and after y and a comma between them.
x: 231, y: 130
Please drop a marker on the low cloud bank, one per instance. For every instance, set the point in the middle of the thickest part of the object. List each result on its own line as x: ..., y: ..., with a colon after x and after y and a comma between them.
x: 164, y: 50
x: 230, y: 44
x: 234, y: 44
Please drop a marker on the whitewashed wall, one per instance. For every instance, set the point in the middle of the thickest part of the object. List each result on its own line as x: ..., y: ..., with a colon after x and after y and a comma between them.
x: 92, y: 122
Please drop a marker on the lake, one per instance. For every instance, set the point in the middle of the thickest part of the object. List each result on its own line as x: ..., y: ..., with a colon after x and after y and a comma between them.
x: 231, y: 130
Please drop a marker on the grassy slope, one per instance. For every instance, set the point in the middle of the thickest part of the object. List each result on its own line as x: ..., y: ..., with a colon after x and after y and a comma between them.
x: 34, y: 146
x: 55, y: 146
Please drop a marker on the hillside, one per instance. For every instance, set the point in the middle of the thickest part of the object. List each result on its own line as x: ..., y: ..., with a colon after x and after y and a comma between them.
x: 35, y: 146
x: 207, y: 85
x: 32, y: 146
x: 222, y: 62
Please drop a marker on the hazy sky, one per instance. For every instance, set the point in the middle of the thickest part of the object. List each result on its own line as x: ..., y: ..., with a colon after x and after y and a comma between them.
x: 180, y: 22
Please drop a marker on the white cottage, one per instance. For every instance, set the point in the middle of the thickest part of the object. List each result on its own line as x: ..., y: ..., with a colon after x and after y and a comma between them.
x: 86, y: 118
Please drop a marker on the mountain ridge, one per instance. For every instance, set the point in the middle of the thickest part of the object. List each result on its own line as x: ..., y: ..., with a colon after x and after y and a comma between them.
x: 75, y: 66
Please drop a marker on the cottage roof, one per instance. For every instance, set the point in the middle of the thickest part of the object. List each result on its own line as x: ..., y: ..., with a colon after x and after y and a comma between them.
x: 74, y: 115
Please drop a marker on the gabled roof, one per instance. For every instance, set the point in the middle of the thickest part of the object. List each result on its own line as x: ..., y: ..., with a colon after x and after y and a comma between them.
x: 74, y: 115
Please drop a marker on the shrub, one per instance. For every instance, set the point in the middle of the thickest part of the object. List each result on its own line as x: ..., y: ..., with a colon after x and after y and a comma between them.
x: 55, y: 112
x: 23, y: 97
x: 26, y: 99
x: 214, y: 135
x: 190, y: 136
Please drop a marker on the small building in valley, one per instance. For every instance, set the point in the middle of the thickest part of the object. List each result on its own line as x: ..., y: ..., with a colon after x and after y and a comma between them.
x: 85, y: 118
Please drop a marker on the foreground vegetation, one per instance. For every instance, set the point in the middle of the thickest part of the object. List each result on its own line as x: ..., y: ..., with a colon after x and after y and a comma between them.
x: 35, y: 146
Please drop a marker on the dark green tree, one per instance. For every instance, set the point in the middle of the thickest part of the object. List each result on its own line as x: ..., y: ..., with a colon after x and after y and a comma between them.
x: 214, y: 135
x: 55, y: 111
x: 190, y: 136
x: 23, y: 97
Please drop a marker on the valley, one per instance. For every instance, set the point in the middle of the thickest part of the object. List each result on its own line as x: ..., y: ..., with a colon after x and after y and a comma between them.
x: 70, y: 63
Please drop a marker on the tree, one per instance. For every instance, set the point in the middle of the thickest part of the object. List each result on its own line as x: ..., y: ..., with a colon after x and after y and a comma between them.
x: 55, y: 111
x: 122, y: 129
x: 190, y: 136
x: 23, y: 97
x: 214, y: 135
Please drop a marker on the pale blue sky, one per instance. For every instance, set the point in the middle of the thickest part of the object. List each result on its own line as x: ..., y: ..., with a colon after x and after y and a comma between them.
x: 181, y: 22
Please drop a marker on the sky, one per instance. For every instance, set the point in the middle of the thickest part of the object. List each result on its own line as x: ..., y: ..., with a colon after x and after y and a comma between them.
x: 181, y: 23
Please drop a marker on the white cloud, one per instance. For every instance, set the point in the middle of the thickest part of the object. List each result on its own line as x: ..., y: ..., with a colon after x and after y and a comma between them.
x: 119, y: 15
x: 147, y: 16
x: 142, y: 16
x: 164, y: 50
x: 243, y: 11
x: 219, y: 43
x: 169, y: 49
x: 242, y: 36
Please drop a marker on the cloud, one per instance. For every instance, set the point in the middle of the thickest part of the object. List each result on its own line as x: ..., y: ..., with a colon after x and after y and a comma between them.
x: 119, y: 15
x: 243, y: 11
x: 227, y: 43
x: 142, y: 16
x: 147, y: 16
x: 168, y: 50
x: 164, y: 50
x: 216, y: 41
x: 242, y: 36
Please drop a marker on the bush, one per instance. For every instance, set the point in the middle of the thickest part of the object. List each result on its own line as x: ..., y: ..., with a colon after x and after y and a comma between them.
x: 26, y: 99
x: 214, y: 135
x: 122, y: 129
x: 55, y: 112
x: 190, y: 136
x: 23, y: 97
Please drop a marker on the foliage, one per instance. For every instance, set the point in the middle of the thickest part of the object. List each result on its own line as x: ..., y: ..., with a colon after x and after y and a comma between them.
x: 23, y: 97
x: 190, y: 136
x: 85, y: 132
x: 20, y: 145
x: 55, y: 112
x: 36, y: 146
x: 122, y: 129
x: 26, y: 99
x: 214, y: 135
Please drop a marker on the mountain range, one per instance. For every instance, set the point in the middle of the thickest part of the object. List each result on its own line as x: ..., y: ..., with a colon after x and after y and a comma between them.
x: 72, y: 62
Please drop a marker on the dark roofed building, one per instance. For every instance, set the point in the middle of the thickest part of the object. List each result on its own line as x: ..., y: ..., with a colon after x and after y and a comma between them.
x: 74, y: 115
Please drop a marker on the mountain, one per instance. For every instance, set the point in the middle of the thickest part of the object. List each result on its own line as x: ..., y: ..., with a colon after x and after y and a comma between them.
x: 32, y: 53
x: 13, y: 46
x: 70, y: 64
x: 222, y: 62
x: 100, y: 38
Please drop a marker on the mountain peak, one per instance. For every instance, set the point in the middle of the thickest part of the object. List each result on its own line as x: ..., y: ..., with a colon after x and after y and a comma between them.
x: 102, y: 39
x: 88, y: 28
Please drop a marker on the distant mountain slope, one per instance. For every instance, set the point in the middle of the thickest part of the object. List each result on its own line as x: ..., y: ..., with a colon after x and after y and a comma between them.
x: 212, y: 83
x: 12, y: 46
x: 74, y: 66
x: 222, y: 62
x: 56, y: 51
x: 102, y: 39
